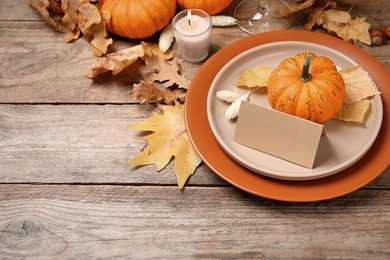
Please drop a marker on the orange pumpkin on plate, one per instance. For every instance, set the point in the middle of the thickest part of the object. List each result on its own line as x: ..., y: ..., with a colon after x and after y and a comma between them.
x: 306, y: 86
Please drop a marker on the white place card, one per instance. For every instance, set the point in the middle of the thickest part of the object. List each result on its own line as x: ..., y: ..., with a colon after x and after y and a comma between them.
x: 288, y: 137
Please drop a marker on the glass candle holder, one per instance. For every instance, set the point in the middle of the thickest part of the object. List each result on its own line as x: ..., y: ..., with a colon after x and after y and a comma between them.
x: 192, y: 30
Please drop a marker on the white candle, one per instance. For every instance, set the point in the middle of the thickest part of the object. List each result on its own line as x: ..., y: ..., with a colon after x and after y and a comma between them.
x: 192, y: 30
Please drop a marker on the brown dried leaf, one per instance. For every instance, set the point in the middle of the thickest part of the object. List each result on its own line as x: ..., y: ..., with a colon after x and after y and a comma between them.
x: 166, y: 73
x: 293, y: 9
x: 116, y: 61
x: 55, y: 5
x: 152, y: 49
x: 356, y: 29
x: 333, y: 15
x: 358, y: 85
x: 96, y: 34
x: 147, y: 92
x: 81, y: 15
x: 41, y: 6
x: 315, y: 17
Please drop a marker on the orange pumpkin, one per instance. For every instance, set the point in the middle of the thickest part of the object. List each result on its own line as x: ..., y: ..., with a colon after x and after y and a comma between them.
x: 210, y: 7
x: 137, y: 19
x: 306, y: 86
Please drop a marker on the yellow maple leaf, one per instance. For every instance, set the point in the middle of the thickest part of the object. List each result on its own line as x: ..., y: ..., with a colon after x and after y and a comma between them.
x: 258, y: 77
x: 356, y: 29
x: 168, y: 139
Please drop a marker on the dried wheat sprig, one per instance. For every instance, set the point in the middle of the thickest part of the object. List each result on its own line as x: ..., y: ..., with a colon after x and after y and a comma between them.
x: 223, y: 21
x: 228, y: 96
x: 234, y: 108
x: 166, y: 38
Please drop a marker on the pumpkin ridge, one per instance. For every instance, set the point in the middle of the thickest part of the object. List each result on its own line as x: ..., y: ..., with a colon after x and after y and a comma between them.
x: 276, y: 94
x: 152, y: 18
x: 291, y: 93
x: 325, y: 90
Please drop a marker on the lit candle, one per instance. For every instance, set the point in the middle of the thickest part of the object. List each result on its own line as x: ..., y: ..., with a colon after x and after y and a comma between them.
x: 192, y: 31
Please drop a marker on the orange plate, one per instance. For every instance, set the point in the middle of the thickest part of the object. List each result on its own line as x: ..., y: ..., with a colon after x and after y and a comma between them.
x: 356, y: 176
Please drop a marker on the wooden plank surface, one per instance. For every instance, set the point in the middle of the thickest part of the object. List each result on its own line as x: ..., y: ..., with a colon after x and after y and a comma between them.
x: 83, y: 144
x: 88, y: 222
x: 66, y: 192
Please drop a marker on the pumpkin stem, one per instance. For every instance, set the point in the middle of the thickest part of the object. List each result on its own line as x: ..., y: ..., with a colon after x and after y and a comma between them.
x: 305, y: 75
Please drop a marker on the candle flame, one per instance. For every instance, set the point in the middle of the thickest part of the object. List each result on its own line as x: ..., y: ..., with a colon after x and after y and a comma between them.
x: 189, y: 17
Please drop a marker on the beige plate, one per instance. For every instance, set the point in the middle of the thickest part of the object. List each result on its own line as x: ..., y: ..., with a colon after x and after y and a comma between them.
x: 370, y: 166
x: 344, y: 144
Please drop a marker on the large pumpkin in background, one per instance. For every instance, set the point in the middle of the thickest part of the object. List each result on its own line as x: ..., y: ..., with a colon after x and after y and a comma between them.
x: 209, y: 6
x: 137, y: 19
x: 306, y: 86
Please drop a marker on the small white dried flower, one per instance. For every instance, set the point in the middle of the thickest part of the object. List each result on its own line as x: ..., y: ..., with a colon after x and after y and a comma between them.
x: 166, y: 38
x: 227, y: 96
x: 233, y: 109
x: 223, y: 21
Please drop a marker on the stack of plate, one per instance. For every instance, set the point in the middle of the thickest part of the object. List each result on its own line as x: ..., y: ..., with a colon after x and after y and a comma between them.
x: 348, y: 158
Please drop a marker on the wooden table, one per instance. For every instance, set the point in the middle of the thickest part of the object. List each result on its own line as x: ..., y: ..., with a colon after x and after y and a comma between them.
x: 66, y: 192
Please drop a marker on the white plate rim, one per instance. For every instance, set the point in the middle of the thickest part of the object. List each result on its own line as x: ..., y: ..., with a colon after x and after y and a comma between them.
x: 277, y: 174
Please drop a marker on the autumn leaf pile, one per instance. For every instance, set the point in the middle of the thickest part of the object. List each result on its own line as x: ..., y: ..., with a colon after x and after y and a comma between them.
x: 79, y: 16
x: 324, y: 13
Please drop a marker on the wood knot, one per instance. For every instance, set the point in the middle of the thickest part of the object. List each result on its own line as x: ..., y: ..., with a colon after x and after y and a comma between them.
x: 21, y: 229
x: 29, y: 237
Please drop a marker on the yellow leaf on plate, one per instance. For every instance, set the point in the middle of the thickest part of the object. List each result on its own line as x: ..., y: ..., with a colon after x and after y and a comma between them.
x: 355, y: 112
x: 168, y: 139
x: 258, y: 77
x: 358, y: 84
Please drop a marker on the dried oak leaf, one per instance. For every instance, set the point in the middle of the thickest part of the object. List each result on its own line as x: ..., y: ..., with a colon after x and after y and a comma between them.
x: 335, y: 16
x: 81, y: 15
x: 251, y: 78
x: 42, y: 7
x: 116, y: 61
x: 282, y: 12
x: 148, y: 92
x: 358, y: 85
x: 166, y: 73
x: 152, y: 49
x: 55, y: 5
x: 96, y: 34
x: 356, y: 29
x: 168, y: 139
x: 316, y: 15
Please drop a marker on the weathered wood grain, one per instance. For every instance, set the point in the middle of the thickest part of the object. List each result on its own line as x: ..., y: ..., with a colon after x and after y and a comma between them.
x: 66, y: 192
x: 79, y: 144
x: 84, y: 144
x: 126, y: 222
